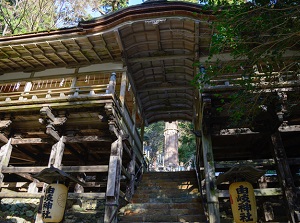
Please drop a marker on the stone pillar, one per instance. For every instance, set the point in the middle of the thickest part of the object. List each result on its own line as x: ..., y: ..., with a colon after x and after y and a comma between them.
x: 171, y: 145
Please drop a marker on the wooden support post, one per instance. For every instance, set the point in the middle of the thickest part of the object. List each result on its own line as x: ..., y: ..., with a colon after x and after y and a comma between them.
x: 133, y: 115
x: 5, y: 153
x: 210, y: 180
x: 113, y: 181
x: 123, y: 89
x: 131, y: 182
x: 209, y: 166
x: 74, y: 81
x: 55, y: 159
x: 285, y: 176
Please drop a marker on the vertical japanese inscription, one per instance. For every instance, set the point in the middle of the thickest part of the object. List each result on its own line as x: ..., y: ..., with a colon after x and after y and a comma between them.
x: 243, y: 202
x: 48, y: 202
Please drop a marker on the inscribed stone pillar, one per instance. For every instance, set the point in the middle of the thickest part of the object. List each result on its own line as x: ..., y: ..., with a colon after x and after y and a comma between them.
x: 171, y: 144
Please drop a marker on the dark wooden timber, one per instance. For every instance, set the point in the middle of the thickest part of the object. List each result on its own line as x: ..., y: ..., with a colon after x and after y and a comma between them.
x: 285, y: 176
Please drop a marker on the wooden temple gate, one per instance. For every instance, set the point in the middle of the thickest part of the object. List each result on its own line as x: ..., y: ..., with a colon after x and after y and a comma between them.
x: 74, y: 98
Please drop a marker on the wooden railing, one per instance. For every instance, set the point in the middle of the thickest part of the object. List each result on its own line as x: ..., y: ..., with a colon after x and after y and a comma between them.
x: 53, y: 93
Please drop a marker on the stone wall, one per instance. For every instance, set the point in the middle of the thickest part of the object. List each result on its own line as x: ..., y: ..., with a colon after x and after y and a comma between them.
x: 24, y: 210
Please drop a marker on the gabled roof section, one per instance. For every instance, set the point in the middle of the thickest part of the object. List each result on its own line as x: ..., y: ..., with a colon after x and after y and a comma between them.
x: 158, y: 43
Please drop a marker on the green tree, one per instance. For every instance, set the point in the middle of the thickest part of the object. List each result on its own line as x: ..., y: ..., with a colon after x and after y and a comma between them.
x: 187, y: 141
x: 154, y: 138
x: 23, y: 16
x: 262, y: 38
x: 107, y: 6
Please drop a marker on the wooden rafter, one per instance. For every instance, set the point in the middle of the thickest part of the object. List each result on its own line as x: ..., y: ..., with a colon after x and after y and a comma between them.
x: 68, y: 52
x: 42, y: 53
x: 95, y: 51
x: 80, y: 51
x: 105, y: 46
x: 32, y: 56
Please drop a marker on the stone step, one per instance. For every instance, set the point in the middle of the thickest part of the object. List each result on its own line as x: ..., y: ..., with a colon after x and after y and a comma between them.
x: 166, y: 184
x: 161, y: 175
x: 134, y: 207
x: 165, y: 197
x: 182, y: 190
x: 165, y: 211
x: 163, y: 218
x: 177, y: 222
x: 166, y: 200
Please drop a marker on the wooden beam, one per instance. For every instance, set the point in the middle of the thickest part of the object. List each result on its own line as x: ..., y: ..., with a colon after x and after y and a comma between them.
x: 41, y: 184
x: 247, y: 131
x: 31, y: 141
x: 258, y: 192
x: 67, y: 169
x: 86, y: 139
x: 258, y: 162
x: 96, y: 196
x: 160, y: 58
x: 167, y: 88
x: 3, y: 138
x: 225, y: 57
x: 25, y: 175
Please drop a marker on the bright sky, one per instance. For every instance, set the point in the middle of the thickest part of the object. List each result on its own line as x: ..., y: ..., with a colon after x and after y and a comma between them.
x: 135, y: 2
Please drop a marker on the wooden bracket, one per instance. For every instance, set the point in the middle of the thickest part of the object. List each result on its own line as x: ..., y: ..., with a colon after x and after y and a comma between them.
x: 51, y: 131
x: 49, y: 117
x: 4, y: 124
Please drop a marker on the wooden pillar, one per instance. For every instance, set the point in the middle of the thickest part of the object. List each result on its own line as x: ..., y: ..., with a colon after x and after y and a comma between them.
x: 209, y: 166
x: 55, y: 159
x: 210, y: 180
x: 285, y: 176
x: 5, y: 153
x: 113, y: 181
x: 123, y: 89
x: 56, y: 154
x: 131, y: 170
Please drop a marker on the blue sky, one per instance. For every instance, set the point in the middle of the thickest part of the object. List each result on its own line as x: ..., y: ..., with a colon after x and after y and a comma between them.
x: 135, y: 2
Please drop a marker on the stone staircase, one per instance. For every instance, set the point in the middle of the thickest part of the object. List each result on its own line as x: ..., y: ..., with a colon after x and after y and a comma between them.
x: 165, y: 197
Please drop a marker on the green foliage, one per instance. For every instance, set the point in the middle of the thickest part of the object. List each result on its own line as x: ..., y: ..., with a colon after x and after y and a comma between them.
x: 23, y: 16
x: 107, y: 6
x: 257, y: 35
x: 187, y: 141
x: 154, y: 138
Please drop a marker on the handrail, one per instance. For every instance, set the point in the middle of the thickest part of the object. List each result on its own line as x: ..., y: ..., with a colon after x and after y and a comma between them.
x: 199, y: 180
x: 71, y: 91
